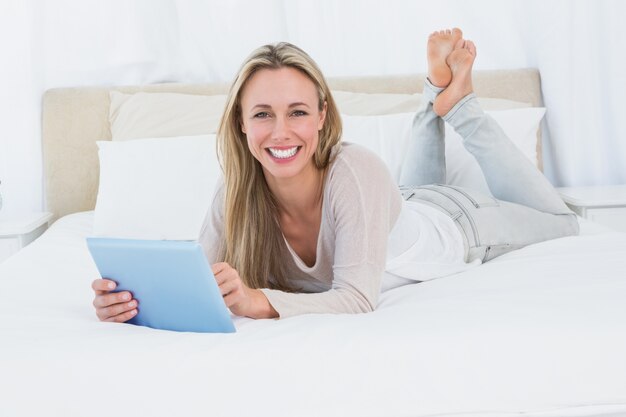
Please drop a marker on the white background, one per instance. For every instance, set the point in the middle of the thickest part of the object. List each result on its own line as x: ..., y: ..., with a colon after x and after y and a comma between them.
x: 578, y: 46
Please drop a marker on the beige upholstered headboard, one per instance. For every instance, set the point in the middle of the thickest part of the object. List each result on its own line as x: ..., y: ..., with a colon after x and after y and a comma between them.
x: 75, y: 118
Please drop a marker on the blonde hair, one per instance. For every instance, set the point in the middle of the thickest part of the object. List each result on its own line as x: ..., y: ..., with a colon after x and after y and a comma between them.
x: 253, y: 239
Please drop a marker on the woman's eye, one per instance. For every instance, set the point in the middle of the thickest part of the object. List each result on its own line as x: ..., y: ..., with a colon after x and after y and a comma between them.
x: 262, y: 115
x: 299, y: 113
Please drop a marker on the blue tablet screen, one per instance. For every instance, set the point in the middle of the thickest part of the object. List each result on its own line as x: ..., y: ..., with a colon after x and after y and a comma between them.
x: 171, y: 280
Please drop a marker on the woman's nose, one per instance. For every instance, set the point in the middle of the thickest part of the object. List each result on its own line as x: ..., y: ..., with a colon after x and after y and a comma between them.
x: 280, y: 129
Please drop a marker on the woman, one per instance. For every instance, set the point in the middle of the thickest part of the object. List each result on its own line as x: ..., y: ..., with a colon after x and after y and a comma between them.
x: 306, y: 224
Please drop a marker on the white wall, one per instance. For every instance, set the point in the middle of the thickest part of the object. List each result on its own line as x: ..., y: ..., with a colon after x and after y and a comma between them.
x: 576, y: 44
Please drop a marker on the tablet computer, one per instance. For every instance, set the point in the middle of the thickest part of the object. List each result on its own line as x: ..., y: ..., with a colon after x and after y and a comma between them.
x: 171, y: 280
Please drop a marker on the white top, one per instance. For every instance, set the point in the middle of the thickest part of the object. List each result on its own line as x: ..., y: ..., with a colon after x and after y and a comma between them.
x: 367, y: 232
x: 594, y: 196
x: 424, y: 244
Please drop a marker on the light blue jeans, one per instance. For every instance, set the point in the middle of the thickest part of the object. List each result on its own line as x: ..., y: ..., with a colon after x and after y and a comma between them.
x: 526, y: 208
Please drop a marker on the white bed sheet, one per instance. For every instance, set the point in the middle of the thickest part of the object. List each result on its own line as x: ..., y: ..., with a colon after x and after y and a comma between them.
x: 539, y: 332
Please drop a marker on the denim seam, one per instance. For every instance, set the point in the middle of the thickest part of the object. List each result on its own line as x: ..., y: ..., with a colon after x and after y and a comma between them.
x: 456, y: 202
x: 454, y: 215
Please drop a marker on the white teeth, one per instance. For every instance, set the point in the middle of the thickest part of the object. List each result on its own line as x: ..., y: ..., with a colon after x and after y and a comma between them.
x: 283, y: 153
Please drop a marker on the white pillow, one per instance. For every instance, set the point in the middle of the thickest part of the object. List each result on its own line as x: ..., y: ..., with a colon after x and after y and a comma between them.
x: 365, y: 104
x: 158, y: 188
x: 388, y: 136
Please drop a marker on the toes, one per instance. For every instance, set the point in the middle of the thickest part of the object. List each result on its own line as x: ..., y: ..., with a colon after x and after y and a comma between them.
x: 469, y: 45
x: 460, y: 44
x: 455, y: 32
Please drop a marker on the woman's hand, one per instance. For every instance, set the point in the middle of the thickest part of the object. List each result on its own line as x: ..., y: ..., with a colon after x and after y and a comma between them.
x: 116, y: 307
x: 239, y: 298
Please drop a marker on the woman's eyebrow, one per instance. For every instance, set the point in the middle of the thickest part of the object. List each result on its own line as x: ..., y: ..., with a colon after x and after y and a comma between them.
x: 299, y: 103
x: 267, y: 106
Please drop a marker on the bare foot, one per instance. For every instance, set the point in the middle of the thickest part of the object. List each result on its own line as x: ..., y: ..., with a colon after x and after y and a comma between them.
x: 460, y: 62
x: 440, y: 45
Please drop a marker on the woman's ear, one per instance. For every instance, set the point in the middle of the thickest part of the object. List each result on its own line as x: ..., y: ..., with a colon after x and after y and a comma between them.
x: 320, y: 125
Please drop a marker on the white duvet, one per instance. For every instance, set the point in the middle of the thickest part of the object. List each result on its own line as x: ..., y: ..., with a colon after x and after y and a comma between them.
x: 538, y: 332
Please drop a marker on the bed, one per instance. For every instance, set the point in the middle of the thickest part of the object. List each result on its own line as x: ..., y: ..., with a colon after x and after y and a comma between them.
x: 537, y: 332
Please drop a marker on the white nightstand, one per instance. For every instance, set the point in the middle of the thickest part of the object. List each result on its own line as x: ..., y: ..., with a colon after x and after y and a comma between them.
x: 18, y: 231
x: 602, y: 204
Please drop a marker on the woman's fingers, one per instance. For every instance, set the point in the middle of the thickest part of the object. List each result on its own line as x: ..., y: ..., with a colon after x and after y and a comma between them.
x: 113, y: 307
x: 234, y: 298
x: 108, y: 299
x: 229, y: 282
x: 229, y: 285
x: 233, y: 292
x: 121, y: 318
x: 219, y: 266
x: 118, y: 307
x: 222, y: 271
x: 101, y: 286
x: 116, y: 310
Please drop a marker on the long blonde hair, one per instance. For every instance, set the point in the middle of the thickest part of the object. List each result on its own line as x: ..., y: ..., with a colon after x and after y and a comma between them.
x: 253, y: 239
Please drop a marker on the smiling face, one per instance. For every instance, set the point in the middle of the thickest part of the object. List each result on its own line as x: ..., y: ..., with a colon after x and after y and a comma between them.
x: 281, y: 118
